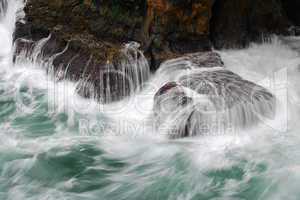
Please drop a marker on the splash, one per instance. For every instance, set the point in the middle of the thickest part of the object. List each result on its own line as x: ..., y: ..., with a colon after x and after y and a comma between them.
x: 204, y: 97
x: 114, y: 81
x: 56, y: 144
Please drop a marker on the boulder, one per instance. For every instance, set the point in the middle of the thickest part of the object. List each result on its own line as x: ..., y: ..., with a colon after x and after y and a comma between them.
x: 168, y: 98
x: 169, y: 102
x: 87, y: 43
x: 116, y: 73
x: 171, y: 70
x: 210, y: 100
x: 95, y: 31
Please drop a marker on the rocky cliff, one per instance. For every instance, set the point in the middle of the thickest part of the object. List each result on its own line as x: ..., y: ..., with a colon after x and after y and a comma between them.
x: 95, y: 31
x: 292, y: 8
x: 165, y: 28
x: 236, y: 23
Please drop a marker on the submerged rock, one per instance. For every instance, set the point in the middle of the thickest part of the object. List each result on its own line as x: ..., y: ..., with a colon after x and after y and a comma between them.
x: 210, y: 101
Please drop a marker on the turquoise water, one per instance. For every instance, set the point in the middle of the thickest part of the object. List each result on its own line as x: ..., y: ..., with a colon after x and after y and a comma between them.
x: 56, y: 145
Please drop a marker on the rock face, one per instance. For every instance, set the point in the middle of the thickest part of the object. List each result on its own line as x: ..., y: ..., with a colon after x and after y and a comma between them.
x: 123, y: 73
x: 165, y: 28
x: 95, y: 32
x: 292, y: 8
x: 235, y: 23
x: 176, y: 27
x: 210, y: 100
x: 88, y: 43
x: 116, y: 20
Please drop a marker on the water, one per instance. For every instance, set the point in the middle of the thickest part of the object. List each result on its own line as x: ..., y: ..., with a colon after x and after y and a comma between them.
x: 208, y: 99
x: 55, y: 144
x: 113, y: 81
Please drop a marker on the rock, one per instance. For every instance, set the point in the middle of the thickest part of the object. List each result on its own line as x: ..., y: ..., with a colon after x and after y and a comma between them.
x: 170, y: 100
x: 171, y: 93
x: 95, y: 32
x: 3, y: 8
x: 80, y: 48
x: 165, y: 28
x: 177, y: 27
x: 117, y: 72
x: 212, y: 100
x: 171, y: 69
x: 236, y: 23
x: 292, y: 8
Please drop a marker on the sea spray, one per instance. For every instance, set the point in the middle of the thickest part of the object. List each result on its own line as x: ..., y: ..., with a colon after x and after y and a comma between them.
x: 45, y: 156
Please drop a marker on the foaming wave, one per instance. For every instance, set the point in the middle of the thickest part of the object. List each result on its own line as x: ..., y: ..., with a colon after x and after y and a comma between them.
x: 56, y: 161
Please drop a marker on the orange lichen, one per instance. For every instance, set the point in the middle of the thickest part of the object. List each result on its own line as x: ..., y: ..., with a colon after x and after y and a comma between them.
x: 196, y: 21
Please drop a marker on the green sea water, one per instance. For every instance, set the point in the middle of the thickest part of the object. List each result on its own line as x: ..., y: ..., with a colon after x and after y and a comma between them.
x: 55, y: 145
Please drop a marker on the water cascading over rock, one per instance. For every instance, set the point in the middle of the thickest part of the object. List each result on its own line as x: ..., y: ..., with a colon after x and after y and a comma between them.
x: 119, y: 78
x: 204, y: 98
x: 124, y: 72
x: 3, y: 8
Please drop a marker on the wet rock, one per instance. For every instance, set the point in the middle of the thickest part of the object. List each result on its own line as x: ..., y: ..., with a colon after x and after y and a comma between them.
x: 206, y: 59
x: 95, y: 31
x: 86, y: 43
x: 292, y: 8
x: 113, y: 75
x: 177, y: 27
x: 235, y: 23
x: 165, y: 28
x: 3, y: 7
x: 210, y: 101
x: 170, y: 92
x: 168, y: 101
x: 227, y: 90
x: 171, y: 69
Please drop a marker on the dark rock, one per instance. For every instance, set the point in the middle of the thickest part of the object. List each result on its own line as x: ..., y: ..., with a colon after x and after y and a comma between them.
x: 182, y: 64
x: 168, y: 101
x: 210, y: 101
x: 116, y: 73
x: 205, y: 59
x: 95, y: 31
x: 87, y: 43
x: 3, y: 7
x: 236, y: 23
x: 176, y: 27
x: 292, y: 8
x: 165, y: 28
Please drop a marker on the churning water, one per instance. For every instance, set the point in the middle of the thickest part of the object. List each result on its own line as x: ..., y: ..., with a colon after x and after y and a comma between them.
x: 55, y: 144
